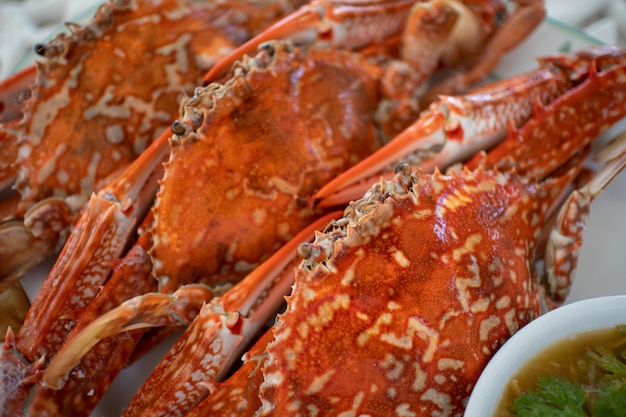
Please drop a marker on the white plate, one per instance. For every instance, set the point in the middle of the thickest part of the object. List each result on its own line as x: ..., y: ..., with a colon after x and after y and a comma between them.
x: 600, y: 269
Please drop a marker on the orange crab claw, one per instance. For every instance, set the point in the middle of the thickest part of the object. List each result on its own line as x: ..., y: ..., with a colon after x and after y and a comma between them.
x: 601, y: 93
x: 454, y: 128
x: 460, y: 130
x: 111, y: 218
x: 149, y: 310
x: 336, y: 22
x: 220, y: 332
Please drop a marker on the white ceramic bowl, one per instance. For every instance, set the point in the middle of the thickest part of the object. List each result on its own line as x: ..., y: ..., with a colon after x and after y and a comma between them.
x: 559, y: 324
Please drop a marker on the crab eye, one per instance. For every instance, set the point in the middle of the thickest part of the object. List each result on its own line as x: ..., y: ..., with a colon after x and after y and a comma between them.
x: 268, y: 47
x: 40, y: 49
x: 178, y: 128
x: 304, y: 250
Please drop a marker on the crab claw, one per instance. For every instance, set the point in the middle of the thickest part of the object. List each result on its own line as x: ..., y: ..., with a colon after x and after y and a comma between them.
x: 101, y: 235
x: 336, y: 23
x: 453, y: 129
x: 220, y: 332
x: 597, y: 103
x: 149, y: 310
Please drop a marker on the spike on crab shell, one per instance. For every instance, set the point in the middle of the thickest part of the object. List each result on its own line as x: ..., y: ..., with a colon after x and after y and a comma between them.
x: 56, y: 49
x: 388, y: 322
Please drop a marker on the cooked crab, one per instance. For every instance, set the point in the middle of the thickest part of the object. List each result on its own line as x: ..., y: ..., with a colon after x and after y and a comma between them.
x: 470, y: 238
x: 100, y: 95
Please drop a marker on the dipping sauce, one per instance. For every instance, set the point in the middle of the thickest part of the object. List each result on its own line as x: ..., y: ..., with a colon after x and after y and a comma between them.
x: 577, y: 359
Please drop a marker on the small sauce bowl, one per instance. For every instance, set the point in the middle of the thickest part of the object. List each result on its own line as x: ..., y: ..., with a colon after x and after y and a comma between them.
x: 541, y: 333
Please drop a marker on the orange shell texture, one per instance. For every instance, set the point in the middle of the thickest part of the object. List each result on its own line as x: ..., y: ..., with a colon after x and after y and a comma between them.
x: 108, y: 89
x: 236, y: 185
x: 8, y: 150
x: 420, y: 290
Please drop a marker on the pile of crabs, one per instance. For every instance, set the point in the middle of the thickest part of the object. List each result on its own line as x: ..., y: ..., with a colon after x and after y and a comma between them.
x: 198, y: 163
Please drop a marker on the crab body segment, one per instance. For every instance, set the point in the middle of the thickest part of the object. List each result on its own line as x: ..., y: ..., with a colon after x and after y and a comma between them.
x: 258, y: 147
x: 421, y: 288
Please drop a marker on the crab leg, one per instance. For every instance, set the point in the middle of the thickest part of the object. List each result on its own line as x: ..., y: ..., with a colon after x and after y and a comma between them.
x: 443, y: 125
x: 13, y: 91
x: 221, y: 330
x: 566, y: 237
x: 454, y: 128
x: 91, y: 378
x: 228, y: 398
x: 146, y: 309
x: 101, y: 235
x: 340, y: 23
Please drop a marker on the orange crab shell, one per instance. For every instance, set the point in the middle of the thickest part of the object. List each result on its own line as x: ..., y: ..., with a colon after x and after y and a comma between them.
x: 251, y: 153
x: 8, y: 147
x: 422, y: 281
x: 109, y: 88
